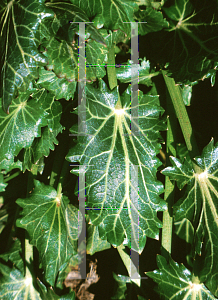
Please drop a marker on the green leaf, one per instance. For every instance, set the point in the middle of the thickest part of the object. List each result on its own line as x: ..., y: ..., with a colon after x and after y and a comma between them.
x: 176, y: 282
x: 109, y: 151
x: 20, y: 38
x: 94, y: 243
x: 2, y: 184
x: 41, y: 146
x: 182, y: 153
x: 53, y: 109
x: 73, y: 263
x: 50, y: 294
x: 60, y: 87
x: 183, y: 173
x: 153, y: 20
x: 7, y: 165
x: 19, y: 129
x: 186, y: 94
x: 185, y: 230
x: 112, y: 14
x: 121, y: 289
x: 52, y: 225
x: 62, y: 49
x: 63, y: 59
x: 15, y: 286
x: 124, y: 72
x: 199, y: 205
x: 131, y: 268
x: 14, y: 255
x: 48, y: 27
x: 150, y: 3
x: 190, y: 46
x: 68, y: 13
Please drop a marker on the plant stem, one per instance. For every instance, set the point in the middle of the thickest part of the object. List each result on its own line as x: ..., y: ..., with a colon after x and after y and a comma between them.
x: 183, y: 118
x: 167, y: 218
x: 64, y: 172
x: 12, y: 176
x: 59, y: 160
x: 169, y: 186
x: 111, y: 69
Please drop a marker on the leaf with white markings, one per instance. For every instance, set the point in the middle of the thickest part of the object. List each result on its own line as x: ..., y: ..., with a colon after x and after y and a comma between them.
x: 14, y: 255
x: 67, y: 13
x: 109, y: 152
x: 52, y: 225
x: 177, y: 283
x: 152, y: 20
x: 21, y: 126
x: 125, y: 72
x: 60, y: 87
x: 20, y: 38
x: 199, y: 205
x: 111, y: 14
x: 41, y: 146
x: 62, y: 49
x: 94, y: 243
x: 189, y: 46
x: 15, y: 286
x: 63, y: 59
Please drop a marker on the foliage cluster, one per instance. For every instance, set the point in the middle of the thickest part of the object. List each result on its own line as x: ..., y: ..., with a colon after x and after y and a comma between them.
x: 41, y: 152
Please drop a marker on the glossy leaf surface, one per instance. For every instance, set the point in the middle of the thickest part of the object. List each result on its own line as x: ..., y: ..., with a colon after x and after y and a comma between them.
x: 21, y: 126
x: 15, y: 286
x: 42, y: 145
x: 14, y: 255
x: 199, y: 205
x: 189, y: 46
x: 94, y: 243
x: 52, y: 225
x: 20, y: 38
x: 124, y: 73
x: 60, y: 87
x: 175, y: 282
x: 109, y: 151
x: 110, y: 14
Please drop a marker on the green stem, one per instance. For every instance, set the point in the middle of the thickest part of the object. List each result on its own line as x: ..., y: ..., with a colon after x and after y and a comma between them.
x: 182, y: 115
x: 169, y: 186
x: 167, y: 218
x: 111, y: 69
x: 59, y: 160
x: 64, y: 172
x: 12, y: 176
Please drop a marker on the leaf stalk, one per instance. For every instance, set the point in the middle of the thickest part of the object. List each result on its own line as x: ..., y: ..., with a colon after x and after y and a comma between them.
x: 169, y: 185
x: 111, y: 69
x: 183, y: 118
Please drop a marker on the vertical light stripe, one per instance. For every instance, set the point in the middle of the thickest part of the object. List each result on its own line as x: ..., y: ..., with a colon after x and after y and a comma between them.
x: 81, y: 81
x: 134, y: 169
x: 82, y: 237
x: 134, y: 77
x: 82, y: 131
x: 134, y: 224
